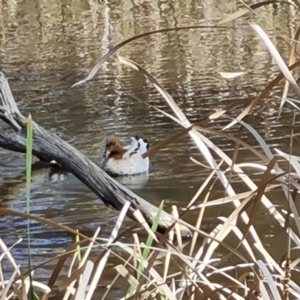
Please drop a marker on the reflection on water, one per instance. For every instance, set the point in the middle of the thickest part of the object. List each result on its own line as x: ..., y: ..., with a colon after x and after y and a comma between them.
x: 46, y: 46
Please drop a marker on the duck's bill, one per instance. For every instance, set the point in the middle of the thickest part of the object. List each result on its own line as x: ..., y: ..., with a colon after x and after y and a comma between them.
x: 104, y: 158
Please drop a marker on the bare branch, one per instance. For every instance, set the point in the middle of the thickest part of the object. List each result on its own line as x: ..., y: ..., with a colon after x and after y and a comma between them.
x: 47, y: 146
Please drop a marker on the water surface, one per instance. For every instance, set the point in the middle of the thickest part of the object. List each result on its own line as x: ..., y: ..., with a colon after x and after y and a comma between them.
x: 46, y: 46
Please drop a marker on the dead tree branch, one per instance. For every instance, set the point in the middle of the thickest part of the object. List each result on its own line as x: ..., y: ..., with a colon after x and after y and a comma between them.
x: 48, y: 146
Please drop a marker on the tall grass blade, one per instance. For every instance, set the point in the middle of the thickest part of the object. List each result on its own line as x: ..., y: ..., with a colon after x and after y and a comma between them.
x: 6, y: 252
x: 268, y: 277
x: 78, y: 247
x: 277, y: 57
x: 292, y: 60
x: 177, y: 227
x: 227, y: 136
x: 281, y: 64
x: 81, y: 289
x: 101, y: 265
x: 265, y: 92
x: 259, y: 139
x: 150, y: 238
x: 125, y: 273
x: 276, y: 170
x: 8, y: 285
x: 10, y: 212
x: 154, y: 149
x: 82, y: 264
x: 111, y: 52
x: 140, y: 218
x: 157, y: 85
x: 201, y: 212
x: 28, y: 188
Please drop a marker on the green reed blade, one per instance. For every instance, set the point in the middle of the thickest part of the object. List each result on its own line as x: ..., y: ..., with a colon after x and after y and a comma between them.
x: 31, y: 295
x: 146, y: 250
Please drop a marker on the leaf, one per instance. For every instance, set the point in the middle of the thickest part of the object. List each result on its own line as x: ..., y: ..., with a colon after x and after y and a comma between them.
x: 217, y: 114
x: 230, y: 75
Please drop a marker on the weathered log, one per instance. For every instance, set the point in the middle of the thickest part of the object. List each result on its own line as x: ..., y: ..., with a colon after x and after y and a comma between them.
x: 47, y: 146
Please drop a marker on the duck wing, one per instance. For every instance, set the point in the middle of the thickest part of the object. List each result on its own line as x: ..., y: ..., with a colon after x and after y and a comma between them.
x: 131, y: 149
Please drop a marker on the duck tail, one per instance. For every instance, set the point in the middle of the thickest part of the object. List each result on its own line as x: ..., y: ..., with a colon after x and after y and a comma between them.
x: 147, y: 144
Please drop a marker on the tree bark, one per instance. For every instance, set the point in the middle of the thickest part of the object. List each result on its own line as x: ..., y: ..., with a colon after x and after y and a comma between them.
x: 48, y: 146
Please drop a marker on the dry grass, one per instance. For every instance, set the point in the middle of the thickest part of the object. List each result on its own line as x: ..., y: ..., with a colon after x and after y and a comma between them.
x: 162, y: 267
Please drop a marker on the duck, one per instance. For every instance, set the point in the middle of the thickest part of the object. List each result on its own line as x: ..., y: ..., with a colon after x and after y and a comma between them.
x: 121, y: 160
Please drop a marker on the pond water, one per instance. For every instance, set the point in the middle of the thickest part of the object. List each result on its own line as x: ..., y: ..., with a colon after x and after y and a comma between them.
x: 46, y: 46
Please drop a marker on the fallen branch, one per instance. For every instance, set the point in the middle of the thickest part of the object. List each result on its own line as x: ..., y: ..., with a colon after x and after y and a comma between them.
x: 48, y: 146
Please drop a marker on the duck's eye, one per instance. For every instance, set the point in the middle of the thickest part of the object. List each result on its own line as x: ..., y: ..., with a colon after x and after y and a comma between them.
x: 110, y: 144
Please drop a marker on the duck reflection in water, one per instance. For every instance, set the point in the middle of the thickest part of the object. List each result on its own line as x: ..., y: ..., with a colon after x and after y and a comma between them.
x: 12, y: 188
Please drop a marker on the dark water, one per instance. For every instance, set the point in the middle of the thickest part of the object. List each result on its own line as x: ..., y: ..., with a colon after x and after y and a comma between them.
x: 46, y: 46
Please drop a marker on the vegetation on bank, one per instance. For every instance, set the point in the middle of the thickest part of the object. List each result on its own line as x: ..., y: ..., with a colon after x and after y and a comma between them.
x: 166, y: 266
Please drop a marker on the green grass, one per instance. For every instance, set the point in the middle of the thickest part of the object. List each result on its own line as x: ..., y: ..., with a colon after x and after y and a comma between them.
x: 32, y: 295
x: 146, y: 250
